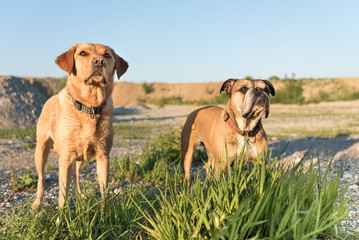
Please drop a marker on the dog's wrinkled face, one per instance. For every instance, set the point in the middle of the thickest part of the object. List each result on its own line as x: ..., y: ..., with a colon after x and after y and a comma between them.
x: 92, y: 64
x: 249, y: 98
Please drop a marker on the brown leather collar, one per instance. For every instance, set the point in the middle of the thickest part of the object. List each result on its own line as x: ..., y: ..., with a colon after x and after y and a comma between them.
x: 233, y: 125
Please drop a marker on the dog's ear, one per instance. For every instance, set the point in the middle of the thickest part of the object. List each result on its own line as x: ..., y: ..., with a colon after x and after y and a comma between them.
x: 66, y: 60
x: 227, y: 86
x: 120, y: 64
x: 271, y: 87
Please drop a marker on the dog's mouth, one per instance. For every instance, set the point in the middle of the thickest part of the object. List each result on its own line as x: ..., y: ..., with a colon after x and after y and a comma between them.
x: 256, y: 106
x: 97, y: 79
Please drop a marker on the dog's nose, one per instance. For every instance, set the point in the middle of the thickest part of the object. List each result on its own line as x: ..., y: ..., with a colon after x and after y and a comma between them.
x: 98, y: 61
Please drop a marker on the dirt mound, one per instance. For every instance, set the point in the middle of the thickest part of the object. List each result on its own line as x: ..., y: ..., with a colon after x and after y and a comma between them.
x: 20, y: 102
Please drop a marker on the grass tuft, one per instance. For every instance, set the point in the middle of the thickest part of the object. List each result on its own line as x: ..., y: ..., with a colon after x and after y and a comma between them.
x: 259, y: 202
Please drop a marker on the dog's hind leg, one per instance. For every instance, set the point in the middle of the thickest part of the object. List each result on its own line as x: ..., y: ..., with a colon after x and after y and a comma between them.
x: 187, y: 151
x: 41, y: 154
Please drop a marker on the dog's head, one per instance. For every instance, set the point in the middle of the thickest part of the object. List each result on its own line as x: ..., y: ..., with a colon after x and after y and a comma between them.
x: 92, y: 64
x: 249, y: 98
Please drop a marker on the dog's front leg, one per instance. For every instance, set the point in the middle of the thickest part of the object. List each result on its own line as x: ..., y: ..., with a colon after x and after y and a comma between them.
x: 102, y: 162
x: 77, y: 177
x: 65, y: 171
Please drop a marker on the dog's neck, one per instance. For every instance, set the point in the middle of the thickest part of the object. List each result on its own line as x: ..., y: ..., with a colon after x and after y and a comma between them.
x: 245, y: 124
x: 91, y: 96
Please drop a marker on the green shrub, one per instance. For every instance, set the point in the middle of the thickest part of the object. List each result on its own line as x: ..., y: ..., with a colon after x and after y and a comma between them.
x: 148, y: 88
x: 220, y: 99
x: 274, y: 78
x: 291, y: 93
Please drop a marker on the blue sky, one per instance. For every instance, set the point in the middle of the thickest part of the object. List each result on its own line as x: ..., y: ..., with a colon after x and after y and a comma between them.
x: 186, y: 41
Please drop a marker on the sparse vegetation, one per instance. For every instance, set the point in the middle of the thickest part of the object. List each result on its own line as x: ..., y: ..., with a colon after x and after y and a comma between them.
x: 147, y: 88
x: 291, y: 93
x: 209, y: 91
x: 21, y: 133
x: 62, y: 84
x: 159, y: 159
x: 25, y: 182
x: 131, y: 131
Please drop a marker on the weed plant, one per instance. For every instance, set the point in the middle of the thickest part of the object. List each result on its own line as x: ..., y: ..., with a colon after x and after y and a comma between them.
x: 259, y: 202
x: 24, y: 182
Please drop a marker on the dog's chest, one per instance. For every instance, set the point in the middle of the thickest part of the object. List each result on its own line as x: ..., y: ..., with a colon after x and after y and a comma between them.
x: 242, y: 143
x: 93, y: 137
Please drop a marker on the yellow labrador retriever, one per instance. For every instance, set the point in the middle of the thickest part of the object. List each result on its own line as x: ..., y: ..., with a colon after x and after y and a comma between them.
x: 77, y: 122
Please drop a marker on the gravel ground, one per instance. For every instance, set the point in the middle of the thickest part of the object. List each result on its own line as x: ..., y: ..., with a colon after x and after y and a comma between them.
x: 343, y: 149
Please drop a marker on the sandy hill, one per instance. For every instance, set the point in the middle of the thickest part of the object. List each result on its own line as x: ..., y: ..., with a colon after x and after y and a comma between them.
x: 126, y: 92
x: 21, y: 99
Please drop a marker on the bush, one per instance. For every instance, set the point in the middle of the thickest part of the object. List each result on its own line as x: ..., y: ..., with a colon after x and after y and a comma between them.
x: 274, y: 78
x: 148, y: 88
x: 291, y: 93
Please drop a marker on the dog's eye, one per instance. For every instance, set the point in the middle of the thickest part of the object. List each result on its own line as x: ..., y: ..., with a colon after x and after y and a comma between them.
x: 243, y: 90
x: 107, y: 55
x: 83, y: 53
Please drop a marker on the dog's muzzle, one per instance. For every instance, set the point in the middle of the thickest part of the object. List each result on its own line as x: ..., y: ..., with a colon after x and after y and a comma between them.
x: 96, y: 79
x: 257, y: 102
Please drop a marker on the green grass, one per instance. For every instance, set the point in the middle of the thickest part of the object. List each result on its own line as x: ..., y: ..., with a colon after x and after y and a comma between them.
x: 22, y: 133
x: 302, y: 132
x: 176, y: 100
x: 253, y: 202
x: 262, y: 202
x: 136, y: 131
x: 157, y: 165
x: 90, y: 218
